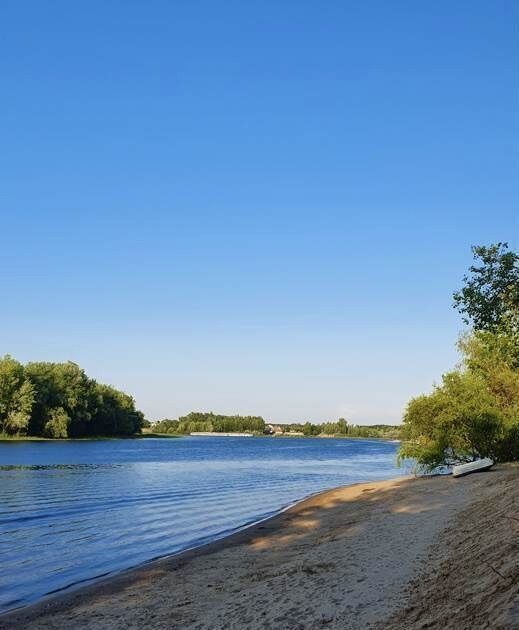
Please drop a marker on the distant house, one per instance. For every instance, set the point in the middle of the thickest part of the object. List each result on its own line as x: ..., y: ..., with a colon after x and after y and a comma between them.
x: 273, y: 429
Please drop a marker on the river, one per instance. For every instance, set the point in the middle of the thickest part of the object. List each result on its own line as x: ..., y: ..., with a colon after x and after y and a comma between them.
x: 71, y: 511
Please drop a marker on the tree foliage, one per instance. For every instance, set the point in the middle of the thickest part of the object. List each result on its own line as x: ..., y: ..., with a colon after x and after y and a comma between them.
x: 210, y: 422
x: 16, y: 396
x: 459, y: 421
x: 56, y: 423
x: 342, y: 428
x: 474, y: 411
x: 491, y: 289
x: 197, y: 421
x: 58, y: 400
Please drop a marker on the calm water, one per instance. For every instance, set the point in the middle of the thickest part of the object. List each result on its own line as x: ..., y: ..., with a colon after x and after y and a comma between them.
x: 72, y: 511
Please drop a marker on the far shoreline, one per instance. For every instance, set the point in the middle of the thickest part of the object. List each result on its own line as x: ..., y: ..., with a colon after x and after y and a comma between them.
x: 94, y: 438
x: 159, y: 436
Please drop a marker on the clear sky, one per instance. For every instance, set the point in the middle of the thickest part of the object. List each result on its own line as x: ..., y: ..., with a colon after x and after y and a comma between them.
x: 253, y: 207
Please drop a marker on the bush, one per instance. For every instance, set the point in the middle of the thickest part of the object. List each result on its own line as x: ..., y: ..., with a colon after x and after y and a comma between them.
x: 508, y: 448
x: 472, y: 414
x: 57, y: 423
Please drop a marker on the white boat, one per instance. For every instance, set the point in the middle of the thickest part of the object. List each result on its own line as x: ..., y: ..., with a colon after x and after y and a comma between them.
x: 476, y: 466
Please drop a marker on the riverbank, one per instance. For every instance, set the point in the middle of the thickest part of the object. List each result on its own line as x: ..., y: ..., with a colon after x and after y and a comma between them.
x: 34, y: 438
x: 401, y: 553
x: 4, y: 437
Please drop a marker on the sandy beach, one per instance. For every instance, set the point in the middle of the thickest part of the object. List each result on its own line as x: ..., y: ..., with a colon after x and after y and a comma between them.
x: 407, y: 553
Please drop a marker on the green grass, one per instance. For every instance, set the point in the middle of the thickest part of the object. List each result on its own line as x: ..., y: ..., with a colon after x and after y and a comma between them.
x: 4, y: 437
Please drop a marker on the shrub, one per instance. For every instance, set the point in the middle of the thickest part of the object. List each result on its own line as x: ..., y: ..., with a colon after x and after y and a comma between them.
x: 56, y: 425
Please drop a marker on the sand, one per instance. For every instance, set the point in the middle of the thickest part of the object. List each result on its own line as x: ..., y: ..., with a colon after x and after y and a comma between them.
x: 401, y: 554
x: 471, y: 577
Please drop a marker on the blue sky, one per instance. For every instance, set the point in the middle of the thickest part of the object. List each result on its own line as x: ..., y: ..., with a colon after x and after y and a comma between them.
x: 252, y: 207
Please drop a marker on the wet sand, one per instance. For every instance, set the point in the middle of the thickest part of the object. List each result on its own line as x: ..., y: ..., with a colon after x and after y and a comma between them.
x: 406, y: 553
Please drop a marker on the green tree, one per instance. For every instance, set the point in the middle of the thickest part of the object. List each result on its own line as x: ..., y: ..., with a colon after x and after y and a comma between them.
x: 166, y: 426
x: 474, y: 412
x: 58, y: 400
x: 308, y: 428
x: 459, y: 421
x: 493, y: 356
x: 16, y: 396
x: 56, y: 424
x: 202, y: 421
x: 63, y: 385
x: 491, y: 289
x: 114, y: 412
x: 342, y: 426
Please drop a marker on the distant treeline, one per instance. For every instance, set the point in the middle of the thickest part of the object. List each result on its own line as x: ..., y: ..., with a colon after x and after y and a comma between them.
x: 198, y: 421
x: 343, y: 428
x: 216, y: 423
x: 58, y: 400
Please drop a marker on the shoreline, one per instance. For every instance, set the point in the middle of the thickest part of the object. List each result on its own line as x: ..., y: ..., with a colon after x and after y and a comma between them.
x: 342, y: 558
x: 93, y: 438
x: 220, y: 540
x: 160, y: 436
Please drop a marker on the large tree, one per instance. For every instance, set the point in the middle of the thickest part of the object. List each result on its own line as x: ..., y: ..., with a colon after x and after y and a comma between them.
x: 474, y: 411
x: 490, y: 295
x: 58, y: 400
x: 62, y: 386
x: 16, y: 396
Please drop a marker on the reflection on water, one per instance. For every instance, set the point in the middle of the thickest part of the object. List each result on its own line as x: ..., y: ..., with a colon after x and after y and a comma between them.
x: 72, y: 511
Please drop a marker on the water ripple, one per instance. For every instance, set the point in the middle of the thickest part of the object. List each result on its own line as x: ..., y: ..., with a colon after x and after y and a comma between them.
x: 70, y: 511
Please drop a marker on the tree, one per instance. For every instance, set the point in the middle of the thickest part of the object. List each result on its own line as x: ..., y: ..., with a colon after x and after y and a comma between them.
x: 307, y: 428
x: 342, y: 426
x: 114, y: 412
x: 491, y: 291
x: 16, y: 396
x: 166, y: 426
x: 494, y: 357
x: 58, y: 400
x: 56, y: 424
x: 459, y: 421
x: 474, y: 412
x: 60, y: 385
x: 217, y: 423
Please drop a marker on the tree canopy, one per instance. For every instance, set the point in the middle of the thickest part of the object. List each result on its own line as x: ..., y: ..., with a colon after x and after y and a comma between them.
x: 474, y: 411
x: 201, y: 421
x: 58, y: 400
x: 16, y: 396
x: 215, y: 423
x: 342, y: 428
x: 491, y: 290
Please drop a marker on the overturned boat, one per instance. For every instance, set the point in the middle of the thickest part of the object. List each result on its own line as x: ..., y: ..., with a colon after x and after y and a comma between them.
x: 475, y: 466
